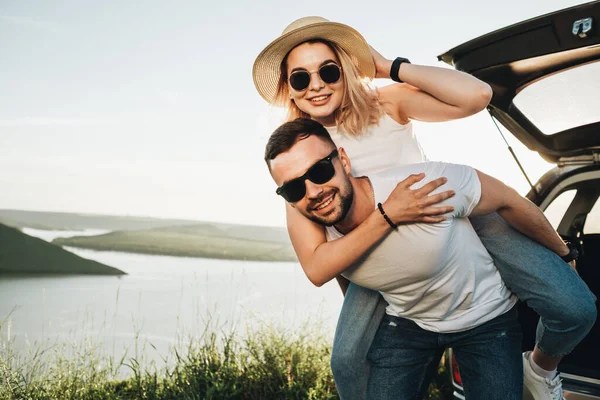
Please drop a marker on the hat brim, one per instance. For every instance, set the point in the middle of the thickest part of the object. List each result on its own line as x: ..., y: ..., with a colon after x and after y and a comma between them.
x: 267, y: 66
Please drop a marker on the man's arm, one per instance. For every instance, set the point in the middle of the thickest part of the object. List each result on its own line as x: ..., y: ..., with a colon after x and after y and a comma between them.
x: 519, y: 212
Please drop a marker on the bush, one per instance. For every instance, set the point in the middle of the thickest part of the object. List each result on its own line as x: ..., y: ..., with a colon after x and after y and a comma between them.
x: 267, y: 363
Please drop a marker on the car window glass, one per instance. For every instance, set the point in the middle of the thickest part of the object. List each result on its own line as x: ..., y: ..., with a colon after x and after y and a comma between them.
x: 592, y: 222
x: 564, y: 100
x: 557, y: 209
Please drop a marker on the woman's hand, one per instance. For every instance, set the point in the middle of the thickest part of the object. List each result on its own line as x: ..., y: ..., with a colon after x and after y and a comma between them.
x: 405, y: 205
x: 382, y: 64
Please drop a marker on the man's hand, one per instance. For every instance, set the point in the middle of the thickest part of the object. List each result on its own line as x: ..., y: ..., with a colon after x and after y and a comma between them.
x: 566, y: 250
x: 405, y: 205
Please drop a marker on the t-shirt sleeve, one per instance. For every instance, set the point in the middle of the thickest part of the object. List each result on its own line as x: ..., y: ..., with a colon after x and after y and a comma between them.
x: 465, y: 183
x: 461, y: 178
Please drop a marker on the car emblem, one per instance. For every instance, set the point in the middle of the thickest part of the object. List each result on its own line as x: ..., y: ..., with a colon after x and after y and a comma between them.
x: 582, y: 27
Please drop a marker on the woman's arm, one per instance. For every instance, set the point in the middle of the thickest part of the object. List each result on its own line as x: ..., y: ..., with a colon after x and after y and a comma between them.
x: 432, y: 94
x: 322, y: 260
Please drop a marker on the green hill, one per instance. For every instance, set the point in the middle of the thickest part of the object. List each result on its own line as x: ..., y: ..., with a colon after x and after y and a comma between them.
x: 24, y: 254
x: 253, y: 233
x: 201, y: 240
x: 173, y: 237
x: 73, y: 221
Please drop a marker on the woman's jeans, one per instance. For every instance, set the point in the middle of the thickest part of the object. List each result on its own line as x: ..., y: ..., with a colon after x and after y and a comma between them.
x: 535, y: 274
x: 404, y: 359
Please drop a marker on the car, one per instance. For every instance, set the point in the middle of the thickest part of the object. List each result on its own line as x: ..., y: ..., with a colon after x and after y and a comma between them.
x: 545, y: 75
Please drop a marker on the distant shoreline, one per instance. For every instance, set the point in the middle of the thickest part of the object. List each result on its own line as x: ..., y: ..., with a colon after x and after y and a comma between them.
x: 172, y: 252
x: 153, y: 236
x: 189, y: 241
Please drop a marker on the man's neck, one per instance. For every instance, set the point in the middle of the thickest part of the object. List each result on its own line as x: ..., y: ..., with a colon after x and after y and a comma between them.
x: 362, y: 206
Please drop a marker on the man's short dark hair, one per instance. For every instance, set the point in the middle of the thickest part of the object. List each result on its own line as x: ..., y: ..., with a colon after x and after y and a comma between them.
x: 289, y: 133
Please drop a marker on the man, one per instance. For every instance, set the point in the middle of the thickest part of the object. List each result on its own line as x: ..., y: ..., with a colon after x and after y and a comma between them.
x: 441, y: 284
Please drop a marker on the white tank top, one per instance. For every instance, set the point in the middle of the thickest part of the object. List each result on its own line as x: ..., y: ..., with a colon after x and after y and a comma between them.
x: 382, y: 147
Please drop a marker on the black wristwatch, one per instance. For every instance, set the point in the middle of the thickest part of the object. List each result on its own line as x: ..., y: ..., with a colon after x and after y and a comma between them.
x: 573, y: 253
x: 396, y: 68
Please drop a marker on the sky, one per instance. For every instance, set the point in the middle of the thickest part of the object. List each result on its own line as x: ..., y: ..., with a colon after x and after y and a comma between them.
x: 148, y: 108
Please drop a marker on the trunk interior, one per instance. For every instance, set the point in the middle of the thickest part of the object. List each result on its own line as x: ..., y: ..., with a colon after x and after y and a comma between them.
x: 583, y: 361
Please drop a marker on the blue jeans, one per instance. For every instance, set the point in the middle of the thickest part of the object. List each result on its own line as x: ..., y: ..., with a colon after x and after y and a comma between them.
x: 535, y: 274
x: 404, y: 359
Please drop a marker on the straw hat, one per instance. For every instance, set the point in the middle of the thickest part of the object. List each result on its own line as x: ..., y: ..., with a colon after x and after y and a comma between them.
x: 267, y: 66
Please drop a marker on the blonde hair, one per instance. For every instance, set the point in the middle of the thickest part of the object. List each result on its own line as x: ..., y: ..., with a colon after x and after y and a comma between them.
x: 360, y: 105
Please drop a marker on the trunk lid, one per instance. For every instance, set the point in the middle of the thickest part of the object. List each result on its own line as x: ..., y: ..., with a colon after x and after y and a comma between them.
x: 545, y: 73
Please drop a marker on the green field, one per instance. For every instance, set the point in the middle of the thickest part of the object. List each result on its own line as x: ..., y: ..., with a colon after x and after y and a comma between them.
x: 203, y: 240
x: 23, y: 254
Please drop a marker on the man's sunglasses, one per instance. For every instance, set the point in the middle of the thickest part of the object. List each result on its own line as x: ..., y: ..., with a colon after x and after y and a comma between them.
x: 329, y: 73
x: 321, y: 172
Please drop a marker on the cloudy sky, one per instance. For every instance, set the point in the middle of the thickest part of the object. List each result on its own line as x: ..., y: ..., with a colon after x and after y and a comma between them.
x: 148, y: 107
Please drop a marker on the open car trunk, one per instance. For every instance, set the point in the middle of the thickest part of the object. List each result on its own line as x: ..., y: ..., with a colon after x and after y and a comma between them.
x: 546, y: 79
x: 545, y: 74
x: 577, y: 190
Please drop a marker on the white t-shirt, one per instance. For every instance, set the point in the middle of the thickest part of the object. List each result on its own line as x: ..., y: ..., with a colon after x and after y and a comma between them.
x: 438, y: 275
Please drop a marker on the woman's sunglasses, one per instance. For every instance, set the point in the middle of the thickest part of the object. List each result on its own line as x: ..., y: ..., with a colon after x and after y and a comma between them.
x: 321, y: 172
x: 329, y: 73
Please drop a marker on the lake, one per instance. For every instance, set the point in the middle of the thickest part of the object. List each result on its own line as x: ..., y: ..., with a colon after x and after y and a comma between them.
x: 161, y: 302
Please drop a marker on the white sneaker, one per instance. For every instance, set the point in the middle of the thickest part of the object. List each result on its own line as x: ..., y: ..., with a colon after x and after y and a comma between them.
x: 537, y: 388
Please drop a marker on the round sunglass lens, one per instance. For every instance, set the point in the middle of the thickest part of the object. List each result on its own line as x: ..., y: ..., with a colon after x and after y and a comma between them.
x: 300, y: 80
x: 330, y: 73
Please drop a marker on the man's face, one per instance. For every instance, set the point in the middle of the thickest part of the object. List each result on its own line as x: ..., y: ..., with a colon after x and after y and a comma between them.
x: 327, y: 203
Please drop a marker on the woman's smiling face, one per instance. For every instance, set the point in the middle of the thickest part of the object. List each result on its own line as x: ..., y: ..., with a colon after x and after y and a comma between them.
x: 319, y: 100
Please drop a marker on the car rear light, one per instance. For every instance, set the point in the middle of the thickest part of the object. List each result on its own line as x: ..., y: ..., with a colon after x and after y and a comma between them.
x: 456, y: 372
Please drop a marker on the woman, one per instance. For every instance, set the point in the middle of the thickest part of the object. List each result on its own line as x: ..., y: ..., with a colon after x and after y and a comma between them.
x: 317, y: 69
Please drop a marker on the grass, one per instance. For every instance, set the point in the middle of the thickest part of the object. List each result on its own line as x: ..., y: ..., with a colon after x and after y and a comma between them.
x: 266, y: 363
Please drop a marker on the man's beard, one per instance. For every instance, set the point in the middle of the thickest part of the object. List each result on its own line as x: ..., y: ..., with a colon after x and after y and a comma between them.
x: 346, y: 199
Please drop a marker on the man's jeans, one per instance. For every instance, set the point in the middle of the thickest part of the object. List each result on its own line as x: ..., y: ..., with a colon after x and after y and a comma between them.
x: 535, y: 274
x: 404, y: 359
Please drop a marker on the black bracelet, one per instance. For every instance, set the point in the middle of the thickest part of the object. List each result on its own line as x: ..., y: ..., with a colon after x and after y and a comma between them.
x: 389, y: 221
x: 395, y: 69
